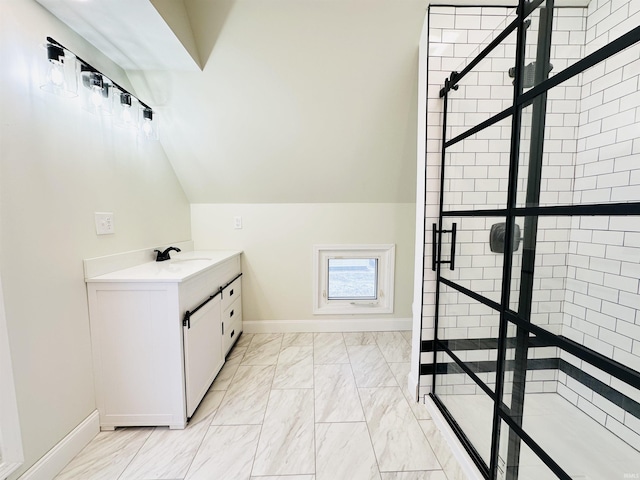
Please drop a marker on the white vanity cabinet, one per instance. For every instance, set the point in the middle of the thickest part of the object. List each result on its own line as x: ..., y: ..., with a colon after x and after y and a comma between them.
x: 153, y: 366
x: 231, y: 314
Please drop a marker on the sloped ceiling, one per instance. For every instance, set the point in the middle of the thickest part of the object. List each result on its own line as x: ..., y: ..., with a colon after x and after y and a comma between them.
x: 295, y: 101
x: 132, y: 33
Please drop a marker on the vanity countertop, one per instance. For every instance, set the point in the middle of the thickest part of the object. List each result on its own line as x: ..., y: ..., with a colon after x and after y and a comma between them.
x: 181, y: 267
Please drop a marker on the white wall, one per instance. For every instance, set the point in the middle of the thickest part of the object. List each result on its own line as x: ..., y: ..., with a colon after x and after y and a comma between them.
x: 309, y: 112
x: 58, y: 165
x: 602, y: 301
x: 312, y: 101
x: 277, y: 241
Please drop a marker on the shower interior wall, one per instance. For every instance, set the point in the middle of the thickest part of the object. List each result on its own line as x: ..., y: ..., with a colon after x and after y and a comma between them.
x: 586, y: 284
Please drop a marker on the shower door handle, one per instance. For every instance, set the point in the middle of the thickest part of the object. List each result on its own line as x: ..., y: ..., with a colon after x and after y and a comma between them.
x: 434, y: 250
x: 452, y: 262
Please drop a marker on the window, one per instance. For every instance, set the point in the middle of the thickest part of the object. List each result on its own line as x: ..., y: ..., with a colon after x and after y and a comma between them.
x: 353, y: 279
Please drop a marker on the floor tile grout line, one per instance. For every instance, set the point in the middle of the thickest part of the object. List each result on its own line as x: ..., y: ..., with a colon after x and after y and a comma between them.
x: 413, y: 413
x: 239, y: 362
x: 375, y: 455
x: 418, y: 421
x: 226, y: 391
x: 315, y: 443
x: 186, y: 474
x: 137, y: 452
x: 264, y: 415
x: 255, y: 452
x: 281, y: 335
x: 384, y: 360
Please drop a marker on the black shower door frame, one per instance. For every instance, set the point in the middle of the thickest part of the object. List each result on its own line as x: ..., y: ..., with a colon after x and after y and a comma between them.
x: 535, y: 97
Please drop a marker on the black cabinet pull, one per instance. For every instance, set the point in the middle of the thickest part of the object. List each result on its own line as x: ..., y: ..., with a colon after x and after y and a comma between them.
x: 233, y: 332
x: 231, y: 292
x: 231, y: 314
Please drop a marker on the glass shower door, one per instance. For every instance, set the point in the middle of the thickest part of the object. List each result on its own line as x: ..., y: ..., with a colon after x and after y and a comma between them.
x: 537, y: 253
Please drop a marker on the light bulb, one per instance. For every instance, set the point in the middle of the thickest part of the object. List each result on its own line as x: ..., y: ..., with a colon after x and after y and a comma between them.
x: 126, y: 114
x: 56, y: 74
x: 60, y: 71
x: 96, y: 96
x: 147, y: 128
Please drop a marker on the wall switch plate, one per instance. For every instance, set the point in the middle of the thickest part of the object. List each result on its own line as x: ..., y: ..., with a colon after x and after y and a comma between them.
x: 237, y: 222
x: 104, y: 223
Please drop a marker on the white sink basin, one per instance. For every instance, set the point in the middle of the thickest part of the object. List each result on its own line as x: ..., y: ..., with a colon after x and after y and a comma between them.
x: 187, y: 260
x: 180, y: 268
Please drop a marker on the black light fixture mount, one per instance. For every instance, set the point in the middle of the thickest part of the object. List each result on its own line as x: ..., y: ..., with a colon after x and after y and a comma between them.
x: 92, y: 78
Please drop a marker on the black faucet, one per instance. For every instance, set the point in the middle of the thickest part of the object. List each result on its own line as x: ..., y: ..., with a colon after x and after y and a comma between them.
x: 162, y: 256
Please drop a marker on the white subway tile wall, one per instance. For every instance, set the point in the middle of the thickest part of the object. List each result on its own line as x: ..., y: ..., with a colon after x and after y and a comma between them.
x: 602, y: 297
x: 587, y: 284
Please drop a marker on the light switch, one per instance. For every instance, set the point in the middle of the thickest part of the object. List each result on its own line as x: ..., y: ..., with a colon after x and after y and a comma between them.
x: 237, y: 222
x: 104, y: 223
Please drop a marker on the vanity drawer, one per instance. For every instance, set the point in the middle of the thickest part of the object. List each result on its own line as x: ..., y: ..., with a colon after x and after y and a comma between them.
x: 232, y: 325
x: 231, y: 293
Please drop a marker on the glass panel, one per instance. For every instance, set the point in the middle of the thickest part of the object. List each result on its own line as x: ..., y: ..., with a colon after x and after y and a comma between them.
x: 546, y: 292
x: 585, y: 284
x: 591, y: 148
x: 532, y: 367
x: 567, y: 46
x: 486, y: 90
x: 509, y: 364
x: 529, y: 465
x: 586, y: 425
x: 602, y: 301
x: 470, y: 330
x: 477, y: 267
x: 353, y: 278
x: 467, y: 403
x: 477, y: 170
x: 578, y: 32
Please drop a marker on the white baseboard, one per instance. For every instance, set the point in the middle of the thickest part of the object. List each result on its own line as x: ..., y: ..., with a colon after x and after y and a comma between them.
x: 328, y: 325
x: 461, y: 455
x: 57, y: 458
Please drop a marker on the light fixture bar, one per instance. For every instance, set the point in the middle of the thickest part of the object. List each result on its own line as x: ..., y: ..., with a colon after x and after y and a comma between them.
x: 86, y: 66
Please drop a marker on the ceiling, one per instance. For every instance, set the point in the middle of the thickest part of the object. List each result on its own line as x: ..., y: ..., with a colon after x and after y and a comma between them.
x: 133, y: 33
x: 273, y: 101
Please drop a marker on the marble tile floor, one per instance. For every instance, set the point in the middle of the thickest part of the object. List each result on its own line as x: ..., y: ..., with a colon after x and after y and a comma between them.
x: 294, y: 406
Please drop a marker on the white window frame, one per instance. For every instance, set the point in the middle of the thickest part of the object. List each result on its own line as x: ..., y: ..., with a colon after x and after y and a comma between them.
x: 386, y: 257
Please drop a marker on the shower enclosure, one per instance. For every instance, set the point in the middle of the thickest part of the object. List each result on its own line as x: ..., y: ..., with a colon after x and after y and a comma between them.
x: 532, y: 257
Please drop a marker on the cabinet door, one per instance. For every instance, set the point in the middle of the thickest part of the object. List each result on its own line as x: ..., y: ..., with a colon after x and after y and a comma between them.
x: 203, y: 356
